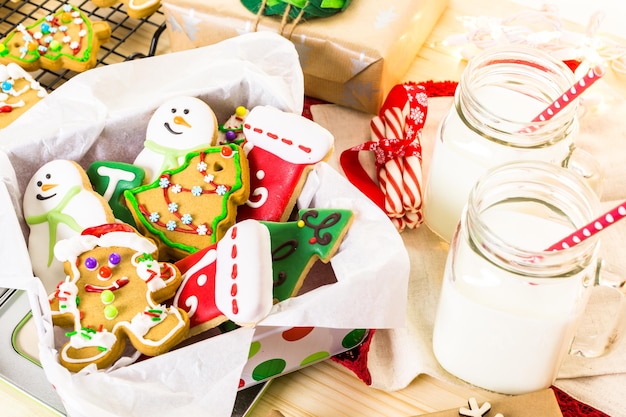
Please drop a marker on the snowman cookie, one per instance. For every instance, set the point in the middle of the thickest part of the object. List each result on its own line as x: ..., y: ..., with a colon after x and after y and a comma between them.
x: 113, y: 291
x: 179, y: 126
x: 59, y: 203
x: 282, y: 149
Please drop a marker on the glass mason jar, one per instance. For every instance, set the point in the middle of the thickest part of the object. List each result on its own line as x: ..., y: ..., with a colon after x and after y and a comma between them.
x: 499, y: 94
x: 509, y: 309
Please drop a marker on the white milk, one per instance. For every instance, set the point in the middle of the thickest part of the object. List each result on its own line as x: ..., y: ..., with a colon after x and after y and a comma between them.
x: 461, y: 156
x: 497, y: 330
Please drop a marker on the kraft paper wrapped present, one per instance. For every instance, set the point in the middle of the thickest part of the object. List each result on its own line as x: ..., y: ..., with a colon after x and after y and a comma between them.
x: 352, y: 58
x: 102, y: 114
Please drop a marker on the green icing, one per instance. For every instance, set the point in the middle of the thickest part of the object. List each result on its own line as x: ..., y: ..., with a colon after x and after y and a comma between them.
x: 255, y: 347
x: 304, y: 9
x: 317, y: 233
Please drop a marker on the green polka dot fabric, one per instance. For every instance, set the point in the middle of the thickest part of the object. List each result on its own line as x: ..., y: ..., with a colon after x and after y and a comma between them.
x: 279, y: 350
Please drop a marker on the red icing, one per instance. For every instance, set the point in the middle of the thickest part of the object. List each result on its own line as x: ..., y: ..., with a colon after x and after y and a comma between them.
x: 114, y: 287
x: 281, y: 179
x: 296, y: 333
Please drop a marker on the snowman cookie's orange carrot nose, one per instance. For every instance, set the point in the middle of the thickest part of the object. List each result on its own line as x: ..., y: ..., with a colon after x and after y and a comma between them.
x: 46, y: 187
x: 179, y: 120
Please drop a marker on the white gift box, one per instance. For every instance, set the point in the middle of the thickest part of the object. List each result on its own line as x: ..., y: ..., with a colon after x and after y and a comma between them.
x: 102, y: 115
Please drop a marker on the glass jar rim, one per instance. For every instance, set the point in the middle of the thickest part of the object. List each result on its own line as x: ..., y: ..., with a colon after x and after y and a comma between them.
x: 526, y: 262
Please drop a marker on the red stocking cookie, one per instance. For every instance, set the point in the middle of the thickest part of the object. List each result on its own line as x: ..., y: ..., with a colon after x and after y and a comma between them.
x: 231, y: 279
x: 113, y: 291
x: 282, y: 148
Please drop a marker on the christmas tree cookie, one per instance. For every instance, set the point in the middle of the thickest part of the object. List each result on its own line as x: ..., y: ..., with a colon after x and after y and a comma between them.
x: 191, y: 207
x: 65, y: 39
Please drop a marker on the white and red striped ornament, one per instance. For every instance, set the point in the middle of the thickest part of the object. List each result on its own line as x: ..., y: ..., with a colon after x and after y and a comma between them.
x: 395, y: 141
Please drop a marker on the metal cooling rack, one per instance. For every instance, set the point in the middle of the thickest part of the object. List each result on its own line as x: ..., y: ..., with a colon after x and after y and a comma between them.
x: 130, y: 38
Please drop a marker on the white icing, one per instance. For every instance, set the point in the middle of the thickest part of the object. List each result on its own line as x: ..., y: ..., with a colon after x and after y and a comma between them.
x: 297, y: 139
x: 104, y: 339
x: 193, y: 127
x: 70, y: 249
x: 141, y: 324
x: 259, y: 195
x: 115, y: 176
x: 254, y: 280
x: 208, y: 258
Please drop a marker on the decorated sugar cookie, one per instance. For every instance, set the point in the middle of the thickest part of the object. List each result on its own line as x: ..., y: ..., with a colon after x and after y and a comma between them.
x: 110, y: 179
x: 285, y: 251
x: 59, y: 203
x: 192, y: 206
x: 64, y: 39
x: 18, y: 92
x: 232, y: 129
x: 137, y: 9
x: 179, y: 126
x: 113, y: 292
x: 282, y: 148
x: 231, y: 279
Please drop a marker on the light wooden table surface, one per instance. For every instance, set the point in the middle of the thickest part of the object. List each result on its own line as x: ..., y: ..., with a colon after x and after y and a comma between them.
x: 328, y: 389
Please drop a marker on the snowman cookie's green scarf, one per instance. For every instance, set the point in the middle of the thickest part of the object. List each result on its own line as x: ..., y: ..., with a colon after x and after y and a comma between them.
x: 54, y: 217
x: 170, y: 155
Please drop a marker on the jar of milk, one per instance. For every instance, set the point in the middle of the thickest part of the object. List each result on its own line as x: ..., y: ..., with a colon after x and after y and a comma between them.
x: 509, y: 309
x: 499, y: 94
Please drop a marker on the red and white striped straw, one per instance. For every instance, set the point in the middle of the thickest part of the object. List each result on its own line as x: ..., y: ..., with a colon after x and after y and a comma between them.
x: 591, y: 229
x: 568, y: 96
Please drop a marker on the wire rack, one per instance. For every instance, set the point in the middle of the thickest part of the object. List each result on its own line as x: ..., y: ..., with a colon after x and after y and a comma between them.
x: 130, y: 38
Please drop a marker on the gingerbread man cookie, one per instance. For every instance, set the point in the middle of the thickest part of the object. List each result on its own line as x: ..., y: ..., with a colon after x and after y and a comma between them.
x: 192, y: 206
x: 282, y: 148
x: 59, y: 203
x: 178, y: 126
x: 113, y: 292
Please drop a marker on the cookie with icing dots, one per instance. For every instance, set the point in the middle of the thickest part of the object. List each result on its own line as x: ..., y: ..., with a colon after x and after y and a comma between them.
x: 19, y: 91
x: 114, y: 292
x: 137, y: 9
x: 282, y: 149
x: 110, y: 179
x: 230, y: 280
x: 231, y: 131
x: 59, y: 203
x: 65, y: 39
x: 178, y: 126
x: 292, y: 248
x: 191, y: 207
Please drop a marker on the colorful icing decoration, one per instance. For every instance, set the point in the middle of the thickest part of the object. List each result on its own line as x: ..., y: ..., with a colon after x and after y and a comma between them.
x: 282, y: 148
x: 137, y: 9
x: 18, y: 92
x: 178, y: 126
x: 231, y: 279
x: 102, y: 310
x: 59, y: 203
x: 64, y: 39
x: 110, y: 180
x: 293, y: 248
x: 277, y: 350
x: 297, y: 245
x: 192, y: 206
x: 231, y: 131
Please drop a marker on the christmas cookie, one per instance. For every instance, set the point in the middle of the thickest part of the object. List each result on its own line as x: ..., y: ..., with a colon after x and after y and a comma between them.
x: 19, y: 92
x: 282, y: 148
x: 137, y: 9
x: 192, y: 206
x: 59, y: 203
x: 113, y: 292
x: 65, y: 39
x: 110, y: 180
x: 232, y: 129
x: 292, y: 248
x: 231, y: 279
x: 177, y: 127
